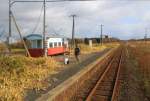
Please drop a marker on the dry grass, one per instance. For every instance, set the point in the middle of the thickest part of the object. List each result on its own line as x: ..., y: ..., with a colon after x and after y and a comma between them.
x: 112, y: 45
x: 19, y: 74
x: 141, y: 51
x: 86, y: 49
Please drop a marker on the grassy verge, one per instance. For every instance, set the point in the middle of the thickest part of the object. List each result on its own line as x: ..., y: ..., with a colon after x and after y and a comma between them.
x: 141, y: 52
x: 19, y: 74
x: 131, y: 90
x: 18, y: 50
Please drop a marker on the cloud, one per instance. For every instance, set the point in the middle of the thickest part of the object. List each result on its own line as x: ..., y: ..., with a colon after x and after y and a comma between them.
x: 122, y: 19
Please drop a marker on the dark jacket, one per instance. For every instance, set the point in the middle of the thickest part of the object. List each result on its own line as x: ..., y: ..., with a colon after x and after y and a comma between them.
x: 77, y: 51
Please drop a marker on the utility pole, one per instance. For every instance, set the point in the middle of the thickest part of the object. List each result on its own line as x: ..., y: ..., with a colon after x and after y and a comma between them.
x: 9, y: 36
x: 101, y: 37
x: 145, y: 37
x: 44, y: 30
x: 73, y: 31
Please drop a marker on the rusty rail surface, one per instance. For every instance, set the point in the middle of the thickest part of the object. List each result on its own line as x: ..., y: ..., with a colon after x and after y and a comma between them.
x: 117, y: 82
x: 106, y: 88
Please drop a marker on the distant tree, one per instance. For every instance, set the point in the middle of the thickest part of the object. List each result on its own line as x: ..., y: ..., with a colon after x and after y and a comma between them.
x: 18, y: 44
x: 3, y: 47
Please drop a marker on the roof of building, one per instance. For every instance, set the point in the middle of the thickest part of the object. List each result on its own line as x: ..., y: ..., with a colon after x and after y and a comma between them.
x: 34, y: 37
x: 39, y: 36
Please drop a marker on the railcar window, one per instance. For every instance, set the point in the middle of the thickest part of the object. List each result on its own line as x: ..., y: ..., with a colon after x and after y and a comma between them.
x: 55, y: 44
x: 39, y: 43
x: 51, y: 45
x: 34, y: 44
x: 59, y: 44
x: 62, y: 43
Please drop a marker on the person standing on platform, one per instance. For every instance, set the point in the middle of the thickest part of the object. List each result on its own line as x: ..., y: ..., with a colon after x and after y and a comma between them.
x: 77, y: 52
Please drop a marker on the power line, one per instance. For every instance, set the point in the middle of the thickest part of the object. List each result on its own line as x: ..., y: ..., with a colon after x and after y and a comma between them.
x: 38, y: 20
x: 47, y: 1
x: 2, y: 32
x: 44, y: 30
x: 10, y: 31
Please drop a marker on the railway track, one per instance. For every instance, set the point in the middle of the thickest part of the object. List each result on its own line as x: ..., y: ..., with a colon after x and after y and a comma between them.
x: 99, y: 82
x: 107, y: 86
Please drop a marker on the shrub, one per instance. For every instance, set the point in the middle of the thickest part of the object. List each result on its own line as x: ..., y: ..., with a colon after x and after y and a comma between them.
x: 3, y: 47
x: 9, y: 64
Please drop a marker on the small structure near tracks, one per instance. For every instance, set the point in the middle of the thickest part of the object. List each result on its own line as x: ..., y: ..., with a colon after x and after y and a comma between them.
x: 54, y: 44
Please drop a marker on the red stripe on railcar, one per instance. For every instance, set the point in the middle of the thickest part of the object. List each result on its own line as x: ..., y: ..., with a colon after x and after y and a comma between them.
x: 50, y: 51
x: 36, y: 52
x: 56, y: 50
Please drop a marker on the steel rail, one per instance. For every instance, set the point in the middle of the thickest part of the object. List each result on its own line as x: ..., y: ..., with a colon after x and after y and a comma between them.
x: 100, y: 80
x: 114, y: 94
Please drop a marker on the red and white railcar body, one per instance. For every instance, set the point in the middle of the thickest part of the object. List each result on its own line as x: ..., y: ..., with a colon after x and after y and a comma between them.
x: 54, y: 45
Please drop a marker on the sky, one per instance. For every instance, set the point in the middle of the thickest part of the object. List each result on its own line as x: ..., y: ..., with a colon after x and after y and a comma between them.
x: 124, y: 19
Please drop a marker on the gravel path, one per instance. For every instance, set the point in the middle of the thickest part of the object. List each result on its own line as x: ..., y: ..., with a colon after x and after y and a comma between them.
x: 66, y: 72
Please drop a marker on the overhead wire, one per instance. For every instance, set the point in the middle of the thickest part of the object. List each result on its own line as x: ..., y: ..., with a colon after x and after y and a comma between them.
x: 2, y: 32
x: 1, y: 35
x: 38, y: 20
